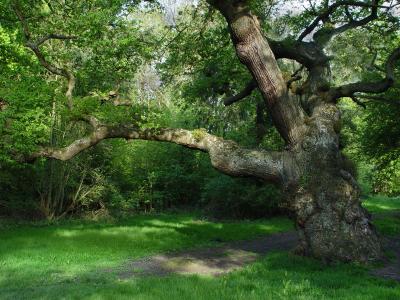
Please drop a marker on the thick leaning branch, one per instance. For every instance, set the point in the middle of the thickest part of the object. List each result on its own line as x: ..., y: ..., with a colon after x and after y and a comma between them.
x: 308, y: 54
x: 34, y: 46
x: 250, y: 87
x: 254, y: 52
x: 226, y: 156
x: 380, y: 86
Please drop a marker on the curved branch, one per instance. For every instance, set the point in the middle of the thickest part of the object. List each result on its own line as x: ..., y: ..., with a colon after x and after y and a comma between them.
x: 380, y: 86
x: 119, y: 102
x: 355, y: 23
x: 226, y: 156
x: 323, y: 36
x: 91, y: 120
x: 379, y: 99
x: 307, y: 54
x: 352, y: 24
x: 34, y: 46
x: 250, y: 87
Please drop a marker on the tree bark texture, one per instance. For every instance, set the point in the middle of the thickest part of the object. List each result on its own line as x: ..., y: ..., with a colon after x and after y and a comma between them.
x: 323, y: 196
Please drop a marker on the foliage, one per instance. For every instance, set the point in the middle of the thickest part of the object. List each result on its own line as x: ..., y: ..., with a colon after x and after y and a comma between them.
x: 372, y: 139
x: 371, y: 136
x: 381, y: 143
x: 240, y: 198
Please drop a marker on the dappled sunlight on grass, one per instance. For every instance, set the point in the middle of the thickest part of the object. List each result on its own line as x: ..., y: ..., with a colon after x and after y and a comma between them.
x: 41, y: 255
x: 69, y: 259
x: 278, y: 276
x: 386, y: 213
x: 380, y: 204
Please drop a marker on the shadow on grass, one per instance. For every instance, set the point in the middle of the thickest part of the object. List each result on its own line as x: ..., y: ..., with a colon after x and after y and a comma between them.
x: 63, y: 261
x: 277, y: 276
x: 35, y: 256
x: 132, y: 238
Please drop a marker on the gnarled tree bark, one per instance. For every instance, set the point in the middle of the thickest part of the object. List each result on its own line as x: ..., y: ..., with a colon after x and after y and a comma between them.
x: 322, y: 194
x: 226, y: 156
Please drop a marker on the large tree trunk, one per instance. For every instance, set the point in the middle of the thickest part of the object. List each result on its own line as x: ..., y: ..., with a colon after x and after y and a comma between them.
x: 325, y: 198
x: 322, y: 194
x: 330, y: 221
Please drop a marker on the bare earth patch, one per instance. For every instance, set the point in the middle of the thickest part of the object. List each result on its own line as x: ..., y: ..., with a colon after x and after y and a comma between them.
x: 231, y: 256
x: 391, y: 270
x: 208, y: 261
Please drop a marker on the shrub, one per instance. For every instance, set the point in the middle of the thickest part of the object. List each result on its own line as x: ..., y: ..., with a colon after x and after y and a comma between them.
x: 224, y: 196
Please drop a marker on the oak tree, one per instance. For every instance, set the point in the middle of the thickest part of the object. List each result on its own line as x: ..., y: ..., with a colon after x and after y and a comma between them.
x: 319, y: 190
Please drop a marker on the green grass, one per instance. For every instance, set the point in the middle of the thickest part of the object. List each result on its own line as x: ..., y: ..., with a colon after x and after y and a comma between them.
x: 67, y: 261
x: 35, y: 256
x: 381, y: 204
x: 386, y: 213
x: 277, y: 276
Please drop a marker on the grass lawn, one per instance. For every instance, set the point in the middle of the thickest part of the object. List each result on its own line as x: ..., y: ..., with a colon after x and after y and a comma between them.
x: 386, y: 214
x: 382, y: 204
x: 65, y: 261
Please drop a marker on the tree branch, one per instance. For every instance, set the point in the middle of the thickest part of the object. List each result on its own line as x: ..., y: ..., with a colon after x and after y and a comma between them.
x: 296, y: 76
x: 91, y: 120
x: 379, y: 99
x: 226, y: 156
x: 250, y: 87
x: 119, y: 102
x: 352, y: 24
x: 358, y: 102
x: 323, y: 36
x: 254, y: 52
x: 34, y: 46
x: 380, y: 86
x: 305, y: 53
x: 53, y: 36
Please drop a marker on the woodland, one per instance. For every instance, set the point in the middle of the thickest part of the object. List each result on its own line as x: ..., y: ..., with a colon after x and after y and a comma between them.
x: 139, y: 139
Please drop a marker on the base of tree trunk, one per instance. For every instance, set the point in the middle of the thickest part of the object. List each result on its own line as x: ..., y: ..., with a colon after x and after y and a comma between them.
x: 332, y: 225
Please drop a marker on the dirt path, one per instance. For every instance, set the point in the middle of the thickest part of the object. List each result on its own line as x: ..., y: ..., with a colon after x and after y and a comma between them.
x: 208, y: 261
x: 234, y: 255
x: 391, y: 270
